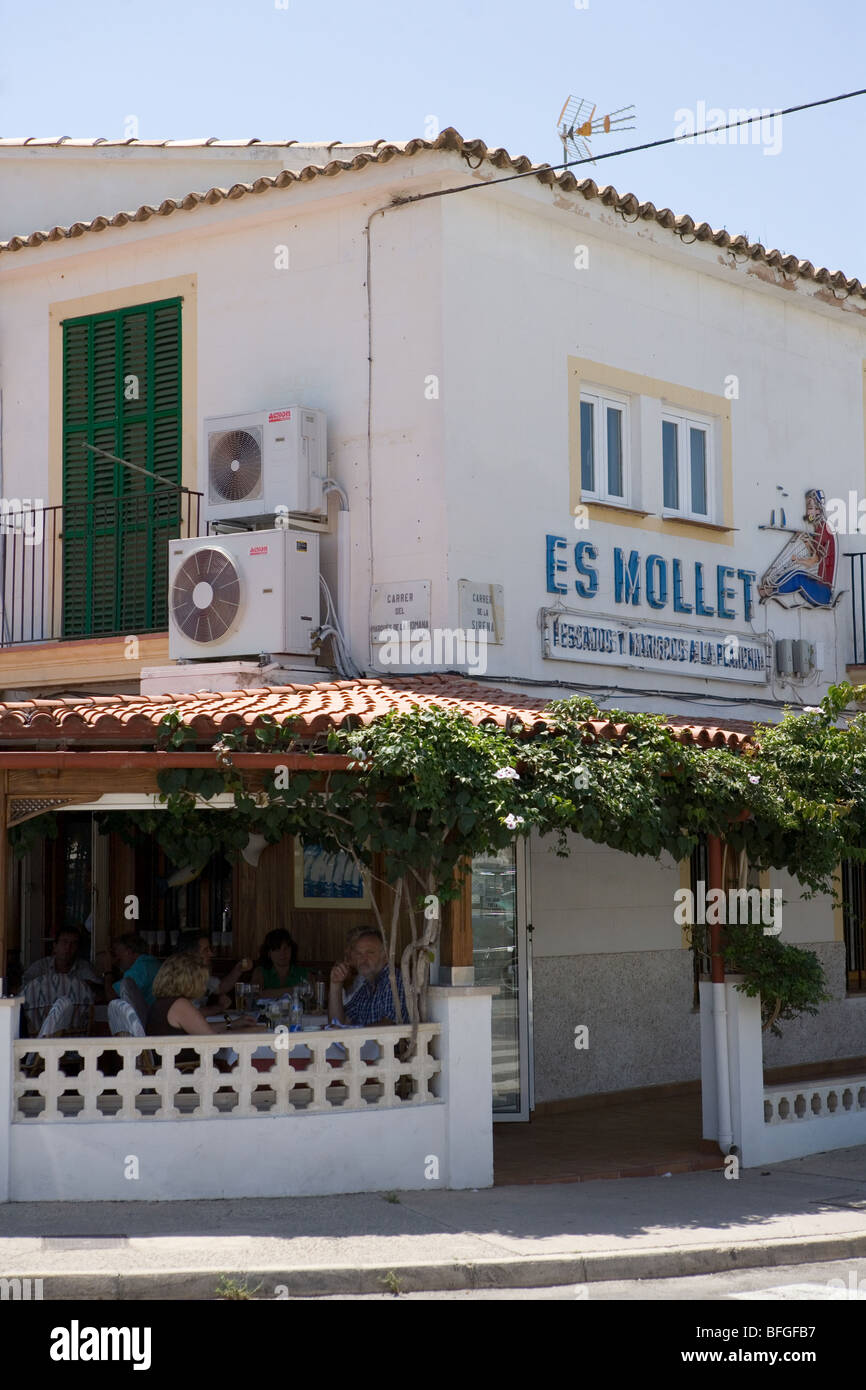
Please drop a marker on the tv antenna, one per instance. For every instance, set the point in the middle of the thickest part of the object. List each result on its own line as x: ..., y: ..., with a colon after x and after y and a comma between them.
x: 578, y: 121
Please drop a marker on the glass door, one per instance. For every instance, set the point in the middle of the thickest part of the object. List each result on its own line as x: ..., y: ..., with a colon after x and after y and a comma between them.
x: 500, y: 938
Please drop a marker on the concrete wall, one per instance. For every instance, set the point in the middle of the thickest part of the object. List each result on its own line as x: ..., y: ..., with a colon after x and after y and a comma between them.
x: 608, y: 954
x: 838, y: 1030
x: 266, y: 337
x: 481, y: 292
x: 45, y: 187
x: 347, y: 1150
x: 516, y: 309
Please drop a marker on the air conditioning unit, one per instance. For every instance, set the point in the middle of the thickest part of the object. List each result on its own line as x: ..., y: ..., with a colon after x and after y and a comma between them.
x: 265, y: 464
x: 243, y: 594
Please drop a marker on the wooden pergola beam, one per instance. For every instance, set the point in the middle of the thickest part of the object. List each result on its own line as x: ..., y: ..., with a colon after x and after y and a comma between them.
x: 85, y: 775
x: 456, y: 958
x: 113, y: 760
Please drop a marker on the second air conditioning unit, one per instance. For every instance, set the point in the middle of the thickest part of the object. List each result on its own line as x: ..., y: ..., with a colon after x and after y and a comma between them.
x: 243, y: 594
x: 267, y: 463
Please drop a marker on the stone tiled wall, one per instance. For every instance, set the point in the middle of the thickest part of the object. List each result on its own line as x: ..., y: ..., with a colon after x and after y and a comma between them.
x: 839, y: 1030
x: 636, y: 999
x: 637, y: 1006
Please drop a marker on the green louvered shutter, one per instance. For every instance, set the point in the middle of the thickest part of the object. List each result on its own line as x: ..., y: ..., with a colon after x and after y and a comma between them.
x: 122, y: 392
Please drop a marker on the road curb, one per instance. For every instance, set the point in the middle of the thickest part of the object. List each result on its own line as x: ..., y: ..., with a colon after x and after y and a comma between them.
x: 532, y: 1271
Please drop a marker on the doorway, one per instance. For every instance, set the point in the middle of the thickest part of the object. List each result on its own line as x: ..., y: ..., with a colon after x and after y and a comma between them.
x: 501, y: 955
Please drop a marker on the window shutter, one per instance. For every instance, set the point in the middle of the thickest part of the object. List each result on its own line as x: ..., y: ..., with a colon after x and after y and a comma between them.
x: 121, y: 392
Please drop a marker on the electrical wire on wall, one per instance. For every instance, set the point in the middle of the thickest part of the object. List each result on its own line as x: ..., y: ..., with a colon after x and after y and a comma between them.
x: 333, y: 628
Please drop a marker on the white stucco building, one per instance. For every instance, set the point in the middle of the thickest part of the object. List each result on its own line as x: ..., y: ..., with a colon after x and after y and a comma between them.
x: 587, y: 423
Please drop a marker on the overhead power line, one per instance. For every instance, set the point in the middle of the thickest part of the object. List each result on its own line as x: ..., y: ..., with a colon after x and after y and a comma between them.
x: 630, y: 149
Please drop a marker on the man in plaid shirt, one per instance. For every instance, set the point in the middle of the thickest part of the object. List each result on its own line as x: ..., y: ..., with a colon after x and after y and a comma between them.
x: 373, y: 1002
x: 62, y: 974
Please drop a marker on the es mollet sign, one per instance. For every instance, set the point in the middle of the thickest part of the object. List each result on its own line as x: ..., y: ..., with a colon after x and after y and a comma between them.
x: 567, y: 635
x: 652, y: 581
x: 650, y: 590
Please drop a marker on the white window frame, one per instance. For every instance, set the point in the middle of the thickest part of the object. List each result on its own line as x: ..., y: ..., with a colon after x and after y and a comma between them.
x: 601, y: 400
x: 684, y: 423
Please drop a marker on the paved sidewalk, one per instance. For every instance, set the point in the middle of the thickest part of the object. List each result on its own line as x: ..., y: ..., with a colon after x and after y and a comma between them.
x: 533, y: 1236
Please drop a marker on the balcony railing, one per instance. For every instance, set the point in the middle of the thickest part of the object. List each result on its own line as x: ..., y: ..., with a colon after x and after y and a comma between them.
x: 96, y: 568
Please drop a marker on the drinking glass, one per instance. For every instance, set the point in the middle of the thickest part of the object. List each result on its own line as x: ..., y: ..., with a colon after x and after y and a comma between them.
x: 306, y: 991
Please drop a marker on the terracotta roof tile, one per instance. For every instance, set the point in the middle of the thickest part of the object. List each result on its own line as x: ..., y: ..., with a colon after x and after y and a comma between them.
x: 130, y: 720
x: 380, y: 152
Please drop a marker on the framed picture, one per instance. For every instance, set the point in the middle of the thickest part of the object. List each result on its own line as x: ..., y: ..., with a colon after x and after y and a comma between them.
x: 324, y: 878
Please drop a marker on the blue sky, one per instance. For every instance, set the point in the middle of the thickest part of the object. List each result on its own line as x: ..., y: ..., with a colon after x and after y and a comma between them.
x: 364, y: 69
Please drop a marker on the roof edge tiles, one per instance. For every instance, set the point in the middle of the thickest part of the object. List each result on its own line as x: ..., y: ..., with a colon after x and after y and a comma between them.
x: 380, y: 152
x: 132, y: 720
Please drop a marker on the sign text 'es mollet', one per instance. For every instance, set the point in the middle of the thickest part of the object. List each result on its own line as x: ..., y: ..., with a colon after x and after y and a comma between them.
x: 670, y: 586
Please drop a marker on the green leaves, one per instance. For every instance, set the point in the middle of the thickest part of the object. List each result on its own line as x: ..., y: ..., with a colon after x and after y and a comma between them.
x: 423, y: 792
x: 23, y: 837
x: 172, y: 732
x: 790, y: 980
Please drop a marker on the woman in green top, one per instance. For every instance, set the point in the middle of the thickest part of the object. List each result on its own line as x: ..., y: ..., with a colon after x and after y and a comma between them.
x: 276, y: 971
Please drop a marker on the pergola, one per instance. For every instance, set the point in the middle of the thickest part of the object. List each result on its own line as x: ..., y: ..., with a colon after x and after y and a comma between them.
x: 99, y: 752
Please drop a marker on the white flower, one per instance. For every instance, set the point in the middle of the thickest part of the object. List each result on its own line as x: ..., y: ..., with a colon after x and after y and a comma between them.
x: 507, y: 774
x: 357, y: 753
x: 754, y: 779
x: 812, y: 709
x: 513, y: 821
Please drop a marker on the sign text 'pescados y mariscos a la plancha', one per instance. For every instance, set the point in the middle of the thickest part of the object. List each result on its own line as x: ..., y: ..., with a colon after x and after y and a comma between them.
x: 571, y: 636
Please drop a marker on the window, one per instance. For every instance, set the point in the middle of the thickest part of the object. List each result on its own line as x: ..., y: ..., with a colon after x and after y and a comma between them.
x: 122, y: 393
x: 604, y: 455
x: 687, y: 484
x: 854, y: 923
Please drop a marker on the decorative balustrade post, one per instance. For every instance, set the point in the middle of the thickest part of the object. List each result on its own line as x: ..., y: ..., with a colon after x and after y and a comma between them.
x: 9, y: 1016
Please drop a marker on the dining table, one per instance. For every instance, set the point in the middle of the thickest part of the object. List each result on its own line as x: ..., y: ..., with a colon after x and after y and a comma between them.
x: 248, y: 1024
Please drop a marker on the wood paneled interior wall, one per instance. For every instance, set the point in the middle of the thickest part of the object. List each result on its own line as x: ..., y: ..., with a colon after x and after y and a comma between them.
x: 264, y: 899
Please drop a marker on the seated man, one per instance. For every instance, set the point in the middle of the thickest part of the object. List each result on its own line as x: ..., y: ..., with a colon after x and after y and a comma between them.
x: 63, y: 973
x: 373, y: 1002
x: 128, y: 955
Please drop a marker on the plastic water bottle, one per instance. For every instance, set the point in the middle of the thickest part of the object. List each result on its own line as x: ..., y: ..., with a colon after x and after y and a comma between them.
x: 296, y: 1017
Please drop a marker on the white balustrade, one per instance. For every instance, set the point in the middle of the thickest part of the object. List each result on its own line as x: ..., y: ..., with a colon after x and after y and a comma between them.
x: 242, y: 1075
x: 814, y: 1100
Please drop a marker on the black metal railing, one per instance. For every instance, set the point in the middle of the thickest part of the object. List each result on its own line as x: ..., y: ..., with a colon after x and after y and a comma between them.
x: 95, y: 568
x: 858, y: 606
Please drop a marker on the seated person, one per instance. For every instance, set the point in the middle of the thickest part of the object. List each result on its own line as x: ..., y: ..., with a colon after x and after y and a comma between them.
x: 218, y: 991
x: 372, y: 1003
x: 180, y: 980
x: 276, y: 971
x: 62, y: 973
x: 128, y: 955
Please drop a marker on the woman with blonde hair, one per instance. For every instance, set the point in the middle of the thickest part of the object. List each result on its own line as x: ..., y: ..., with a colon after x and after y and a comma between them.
x: 180, y: 980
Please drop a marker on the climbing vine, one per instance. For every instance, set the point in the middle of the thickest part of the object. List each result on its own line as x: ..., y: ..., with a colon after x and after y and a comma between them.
x: 428, y: 790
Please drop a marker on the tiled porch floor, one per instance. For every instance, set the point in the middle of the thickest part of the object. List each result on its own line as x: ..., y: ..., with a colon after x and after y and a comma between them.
x: 622, y: 1139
